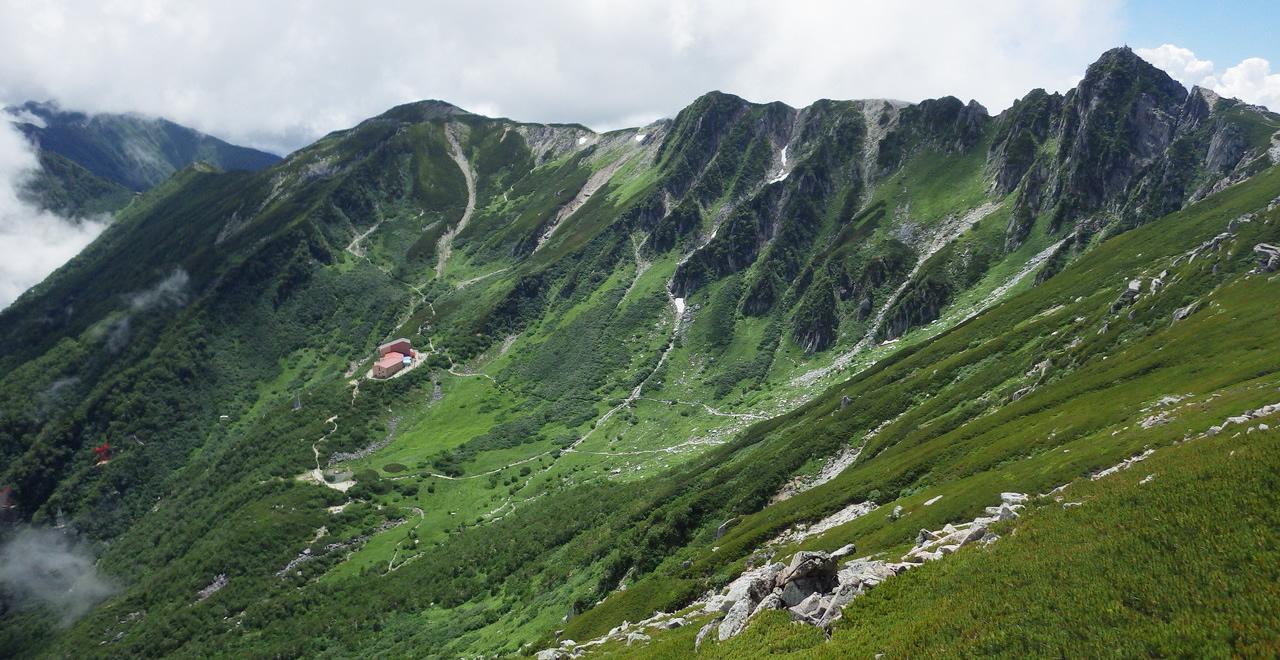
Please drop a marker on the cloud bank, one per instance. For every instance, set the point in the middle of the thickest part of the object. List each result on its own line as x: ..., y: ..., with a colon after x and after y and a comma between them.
x: 278, y: 75
x: 33, y: 243
x: 48, y: 568
x: 1250, y: 80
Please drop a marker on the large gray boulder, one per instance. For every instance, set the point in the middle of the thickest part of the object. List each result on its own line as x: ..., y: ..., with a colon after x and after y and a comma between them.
x: 706, y: 630
x: 735, y: 619
x: 797, y: 590
x: 808, y: 563
x: 1268, y: 257
x: 1013, y: 498
x: 771, y: 602
x: 811, y: 609
x: 843, y: 552
x: 1183, y: 312
x: 752, y: 585
x: 859, y: 572
x: 637, y: 637
x: 975, y: 533
x: 843, y: 595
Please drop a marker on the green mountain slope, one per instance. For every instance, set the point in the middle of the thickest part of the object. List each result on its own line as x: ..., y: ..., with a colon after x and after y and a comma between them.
x: 643, y: 356
x: 66, y: 189
x: 1148, y: 382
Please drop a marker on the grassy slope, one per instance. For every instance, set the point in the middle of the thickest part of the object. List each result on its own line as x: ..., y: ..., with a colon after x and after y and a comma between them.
x: 1183, y: 565
x: 1081, y: 422
x: 568, y: 470
x: 911, y: 455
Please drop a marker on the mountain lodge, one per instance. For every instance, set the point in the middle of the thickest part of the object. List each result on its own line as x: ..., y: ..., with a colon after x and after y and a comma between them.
x: 392, y: 357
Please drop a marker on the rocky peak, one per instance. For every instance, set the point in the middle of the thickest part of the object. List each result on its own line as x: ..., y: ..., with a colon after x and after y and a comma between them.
x: 420, y: 111
x: 1120, y: 118
x: 1123, y: 94
x: 1019, y: 133
x: 1121, y: 68
x: 947, y: 124
x: 704, y: 122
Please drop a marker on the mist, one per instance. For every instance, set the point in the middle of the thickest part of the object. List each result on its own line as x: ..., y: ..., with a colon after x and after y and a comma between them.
x: 33, y: 242
x: 48, y: 568
x: 169, y: 292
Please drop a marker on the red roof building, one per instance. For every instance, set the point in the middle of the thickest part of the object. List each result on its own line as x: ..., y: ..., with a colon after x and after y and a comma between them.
x: 401, y: 346
x: 393, y: 356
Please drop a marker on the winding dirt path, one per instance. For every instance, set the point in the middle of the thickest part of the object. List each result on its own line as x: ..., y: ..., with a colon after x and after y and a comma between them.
x: 466, y: 283
x: 354, y: 246
x: 317, y: 475
x: 677, y: 305
x: 673, y: 449
x: 708, y: 408
x: 470, y: 476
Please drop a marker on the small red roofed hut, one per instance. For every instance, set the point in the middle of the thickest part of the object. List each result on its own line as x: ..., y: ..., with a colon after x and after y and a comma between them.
x: 392, y: 357
x: 388, y: 365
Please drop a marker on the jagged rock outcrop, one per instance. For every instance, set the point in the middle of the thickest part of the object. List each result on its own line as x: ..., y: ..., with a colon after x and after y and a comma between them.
x: 1127, y: 145
x: 946, y: 123
x: 1122, y: 116
x: 1268, y: 257
x: 1019, y: 134
x: 816, y: 319
x: 815, y: 587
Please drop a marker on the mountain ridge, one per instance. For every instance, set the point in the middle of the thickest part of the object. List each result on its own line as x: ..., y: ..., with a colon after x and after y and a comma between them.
x: 599, y: 350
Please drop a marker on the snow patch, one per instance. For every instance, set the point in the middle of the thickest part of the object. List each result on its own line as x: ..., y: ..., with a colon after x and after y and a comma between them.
x: 782, y: 176
x: 640, y: 137
x: 679, y: 303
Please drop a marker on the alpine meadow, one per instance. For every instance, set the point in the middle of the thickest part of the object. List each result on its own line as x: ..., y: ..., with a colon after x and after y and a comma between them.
x: 861, y: 379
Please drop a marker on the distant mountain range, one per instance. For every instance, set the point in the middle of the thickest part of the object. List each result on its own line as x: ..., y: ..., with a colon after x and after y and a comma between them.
x: 134, y: 151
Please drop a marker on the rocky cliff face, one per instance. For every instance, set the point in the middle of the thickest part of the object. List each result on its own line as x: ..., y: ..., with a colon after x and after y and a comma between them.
x: 1128, y: 145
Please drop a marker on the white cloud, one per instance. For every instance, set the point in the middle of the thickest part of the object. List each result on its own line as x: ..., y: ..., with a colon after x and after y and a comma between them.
x: 276, y: 75
x: 1250, y: 81
x: 33, y: 243
x: 1180, y: 63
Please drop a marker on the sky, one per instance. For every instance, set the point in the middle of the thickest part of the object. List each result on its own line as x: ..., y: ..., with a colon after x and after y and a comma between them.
x: 277, y: 75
